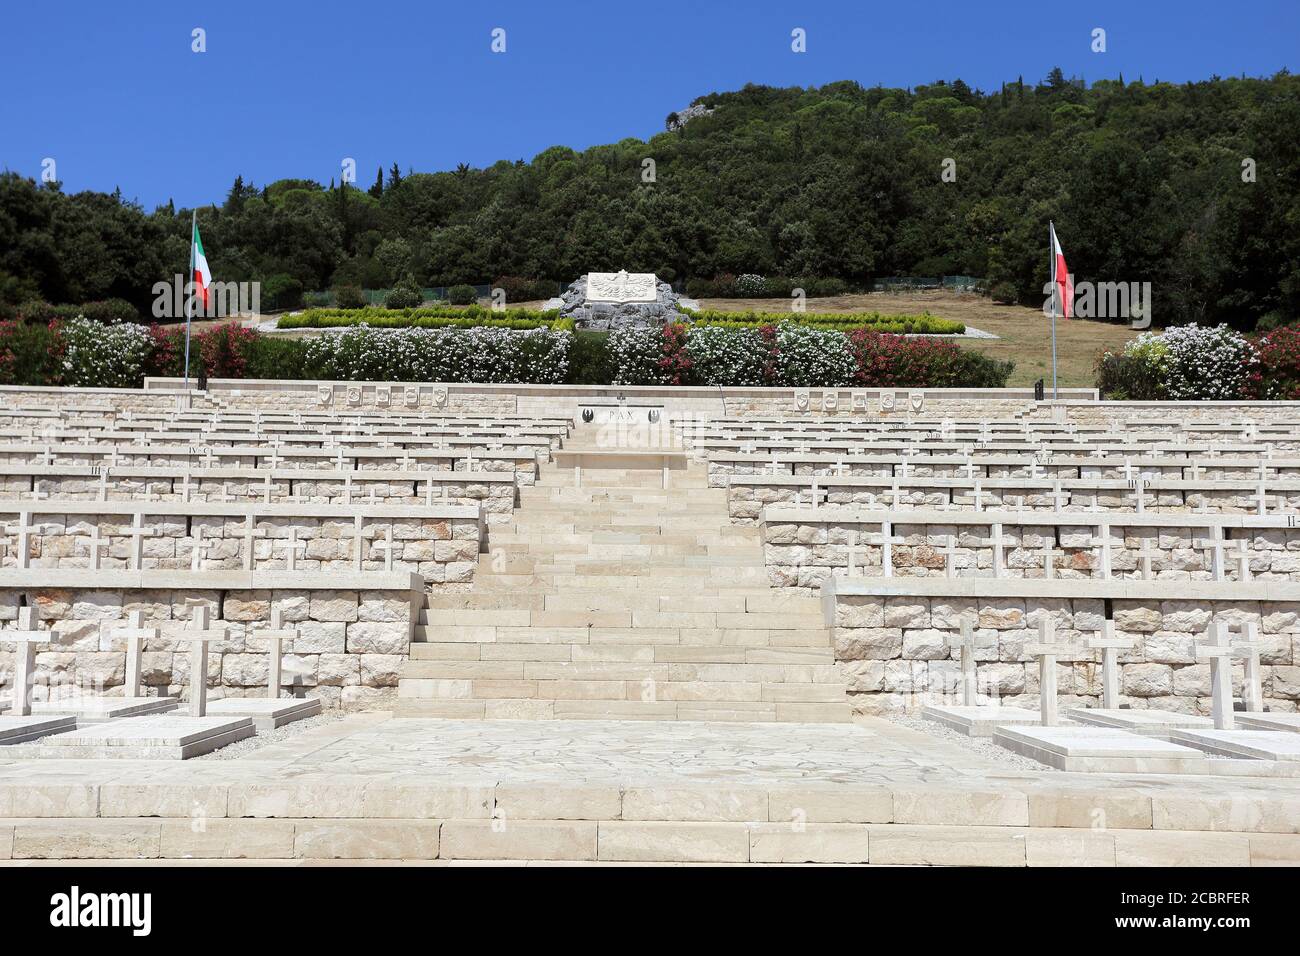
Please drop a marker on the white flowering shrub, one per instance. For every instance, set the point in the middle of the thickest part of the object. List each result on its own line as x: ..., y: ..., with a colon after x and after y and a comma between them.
x: 104, y: 356
x: 723, y: 356
x: 1193, y: 362
x: 445, y: 354
x: 636, y: 356
x: 808, y: 357
x: 750, y: 285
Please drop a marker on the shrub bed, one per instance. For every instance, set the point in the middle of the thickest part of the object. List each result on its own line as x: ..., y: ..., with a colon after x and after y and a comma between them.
x: 751, y: 286
x: 479, y: 354
x: 1186, y: 363
x: 794, y: 355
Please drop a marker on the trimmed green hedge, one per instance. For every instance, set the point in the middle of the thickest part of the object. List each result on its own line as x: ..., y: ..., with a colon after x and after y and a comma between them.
x: 924, y: 324
x: 425, y: 318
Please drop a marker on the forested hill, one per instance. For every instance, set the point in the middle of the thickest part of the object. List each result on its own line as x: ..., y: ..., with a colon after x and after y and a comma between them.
x: 1144, y: 181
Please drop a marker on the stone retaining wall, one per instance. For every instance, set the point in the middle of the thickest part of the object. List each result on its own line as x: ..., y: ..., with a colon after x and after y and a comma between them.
x: 349, y: 651
x: 892, y: 651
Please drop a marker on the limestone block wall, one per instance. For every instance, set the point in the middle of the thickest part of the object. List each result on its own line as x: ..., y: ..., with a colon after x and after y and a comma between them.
x: 443, y: 549
x: 349, y: 651
x: 892, y: 650
x: 805, y: 552
x: 494, y: 494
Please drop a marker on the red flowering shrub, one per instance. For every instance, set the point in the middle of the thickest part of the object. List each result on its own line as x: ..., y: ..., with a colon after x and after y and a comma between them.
x: 897, y: 361
x: 221, y: 350
x: 675, y: 362
x: 1277, y: 374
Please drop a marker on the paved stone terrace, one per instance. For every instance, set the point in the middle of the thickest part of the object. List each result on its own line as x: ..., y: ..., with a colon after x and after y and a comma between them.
x: 371, y: 787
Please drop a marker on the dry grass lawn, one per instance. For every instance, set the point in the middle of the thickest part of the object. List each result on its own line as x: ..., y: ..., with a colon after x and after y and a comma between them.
x: 1024, y: 334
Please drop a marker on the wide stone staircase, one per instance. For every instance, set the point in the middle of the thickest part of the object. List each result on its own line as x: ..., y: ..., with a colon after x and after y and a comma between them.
x: 621, y: 590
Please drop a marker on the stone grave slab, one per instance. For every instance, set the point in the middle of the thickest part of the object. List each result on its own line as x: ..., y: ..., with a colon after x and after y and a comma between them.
x: 1282, y: 721
x: 93, y: 710
x: 1139, y: 721
x: 980, y: 720
x: 17, y: 730
x: 1099, y: 750
x: 155, y: 737
x: 265, y: 713
x: 1249, y: 744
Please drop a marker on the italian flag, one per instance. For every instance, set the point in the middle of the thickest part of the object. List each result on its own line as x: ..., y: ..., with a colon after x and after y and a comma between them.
x: 1061, y: 277
x: 202, y: 275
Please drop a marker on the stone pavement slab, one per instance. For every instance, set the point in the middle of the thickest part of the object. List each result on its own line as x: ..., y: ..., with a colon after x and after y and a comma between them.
x: 1099, y: 749
x: 1138, y: 721
x: 17, y: 730
x: 1269, y: 721
x: 94, y: 710
x: 265, y: 713
x: 157, y: 737
x: 979, y: 721
x: 1250, y: 744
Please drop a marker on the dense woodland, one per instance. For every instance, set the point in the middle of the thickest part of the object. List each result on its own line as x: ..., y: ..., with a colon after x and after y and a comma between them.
x: 1144, y: 181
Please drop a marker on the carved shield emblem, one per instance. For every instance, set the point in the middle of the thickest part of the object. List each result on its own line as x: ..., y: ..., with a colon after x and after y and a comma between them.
x: 324, y: 394
x: 412, y: 395
x: 383, y: 394
x: 354, y: 394
x: 859, y: 401
x: 830, y: 401
x: 801, y: 399
x: 439, y: 396
x: 917, y: 400
x: 886, y: 401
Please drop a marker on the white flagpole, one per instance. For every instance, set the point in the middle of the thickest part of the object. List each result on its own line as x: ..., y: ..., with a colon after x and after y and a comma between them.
x: 189, y: 299
x: 1051, y: 251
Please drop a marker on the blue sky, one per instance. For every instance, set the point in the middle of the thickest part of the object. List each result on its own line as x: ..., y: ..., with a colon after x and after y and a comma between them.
x: 114, y: 94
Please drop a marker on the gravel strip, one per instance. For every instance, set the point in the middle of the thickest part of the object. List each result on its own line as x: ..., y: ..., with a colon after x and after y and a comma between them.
x: 981, y: 746
x: 241, y: 748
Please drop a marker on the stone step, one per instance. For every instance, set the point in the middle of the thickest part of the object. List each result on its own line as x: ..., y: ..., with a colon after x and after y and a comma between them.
x: 634, y: 598
x: 797, y: 657
x: 540, y: 709
x: 662, y: 581
x: 526, y: 662
x: 621, y: 634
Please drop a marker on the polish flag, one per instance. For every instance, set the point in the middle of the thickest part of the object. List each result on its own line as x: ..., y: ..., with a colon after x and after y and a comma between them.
x: 1061, y: 275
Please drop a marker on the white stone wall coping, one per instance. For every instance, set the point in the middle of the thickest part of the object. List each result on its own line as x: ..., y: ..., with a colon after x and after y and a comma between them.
x: 837, y: 514
x: 260, y: 451
x: 1018, y: 589
x: 219, y: 472
x: 240, y: 509
x: 175, y: 579
x: 927, y: 481
x: 978, y: 458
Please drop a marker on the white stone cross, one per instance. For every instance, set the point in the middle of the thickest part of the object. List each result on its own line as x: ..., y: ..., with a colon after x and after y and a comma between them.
x: 1138, y: 485
x: 24, y: 529
x: 1047, y: 650
x: 979, y: 495
x: 277, y: 635
x: 196, y: 550
x: 199, y: 634
x: 1218, y: 650
x: 817, y: 494
x: 250, y: 533
x: 103, y: 483
x: 291, y: 549
x: 950, y: 557
x: 1214, y: 546
x: 1110, y: 646
x: 27, y: 634
x: 1196, y: 469
x: 1102, y: 543
x: 95, y: 546
x: 136, y: 634
x: 386, y: 545
x: 186, y: 478
x: 1247, y: 648
x: 965, y: 640
x: 1049, y: 553
x: 1058, y: 496
x: 137, y: 533
x: 1261, y: 498
x: 1147, y: 554
x: 37, y: 494
x: 1242, y: 557
x: 997, y: 542
x: 886, y: 540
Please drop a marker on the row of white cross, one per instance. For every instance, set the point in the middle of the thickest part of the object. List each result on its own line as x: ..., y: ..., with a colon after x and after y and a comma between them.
x: 1061, y: 498
x: 274, y: 459
x: 1217, y: 647
x: 886, y: 540
x: 199, y: 634
x: 381, y: 540
x: 268, y: 486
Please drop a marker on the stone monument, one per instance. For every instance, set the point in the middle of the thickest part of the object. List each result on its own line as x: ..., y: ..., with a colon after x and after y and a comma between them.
x: 615, y: 300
